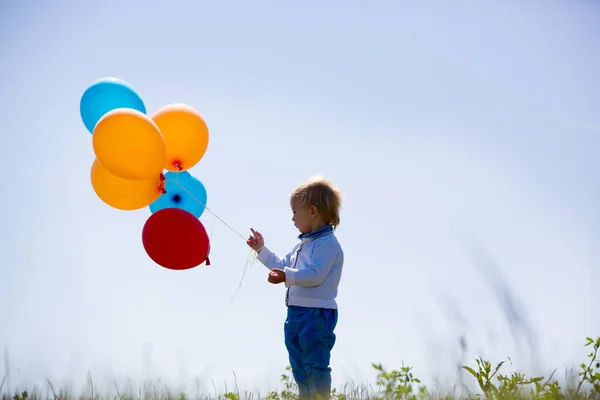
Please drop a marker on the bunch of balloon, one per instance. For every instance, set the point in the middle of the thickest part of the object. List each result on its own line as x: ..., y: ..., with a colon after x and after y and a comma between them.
x: 132, y: 151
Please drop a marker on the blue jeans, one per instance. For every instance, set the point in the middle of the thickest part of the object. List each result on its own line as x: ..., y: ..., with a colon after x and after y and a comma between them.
x: 309, y: 339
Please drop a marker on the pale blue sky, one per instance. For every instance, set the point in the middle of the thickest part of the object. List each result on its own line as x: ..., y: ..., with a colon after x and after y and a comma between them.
x: 446, y: 124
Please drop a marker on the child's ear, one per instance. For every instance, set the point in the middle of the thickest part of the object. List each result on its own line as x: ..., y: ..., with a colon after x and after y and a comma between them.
x: 313, y: 210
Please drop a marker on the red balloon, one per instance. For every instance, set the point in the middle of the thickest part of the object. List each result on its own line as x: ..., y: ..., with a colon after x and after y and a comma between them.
x: 175, y: 239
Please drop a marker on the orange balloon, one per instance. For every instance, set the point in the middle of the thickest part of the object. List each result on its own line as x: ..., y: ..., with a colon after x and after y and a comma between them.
x: 185, y: 134
x: 129, y: 144
x: 125, y: 194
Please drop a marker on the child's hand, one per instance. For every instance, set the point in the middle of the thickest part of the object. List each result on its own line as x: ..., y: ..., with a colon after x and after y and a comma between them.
x: 276, y: 276
x: 255, y: 241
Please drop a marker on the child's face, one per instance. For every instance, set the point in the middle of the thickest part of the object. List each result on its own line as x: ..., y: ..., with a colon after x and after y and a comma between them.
x: 304, y: 217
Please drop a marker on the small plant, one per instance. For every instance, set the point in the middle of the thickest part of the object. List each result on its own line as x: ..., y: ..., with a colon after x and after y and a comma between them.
x: 590, y: 373
x: 23, y: 396
x: 548, y: 390
x: 398, y: 384
x: 335, y: 395
x: 232, y: 396
x: 290, y: 389
x: 511, y: 386
x: 484, y: 376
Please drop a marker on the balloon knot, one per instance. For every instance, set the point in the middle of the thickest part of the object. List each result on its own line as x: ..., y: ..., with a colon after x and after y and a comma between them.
x: 161, y: 185
x: 177, y: 164
x: 207, y: 261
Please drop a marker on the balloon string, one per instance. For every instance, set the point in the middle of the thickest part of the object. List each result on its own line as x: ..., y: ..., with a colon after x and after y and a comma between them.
x: 208, y: 209
x: 251, y: 256
x: 249, y: 261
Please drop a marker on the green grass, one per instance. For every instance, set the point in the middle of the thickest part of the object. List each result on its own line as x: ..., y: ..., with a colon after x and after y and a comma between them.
x: 492, y: 383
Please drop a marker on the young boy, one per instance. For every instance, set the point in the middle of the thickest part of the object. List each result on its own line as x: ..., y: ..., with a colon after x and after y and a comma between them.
x: 311, y: 272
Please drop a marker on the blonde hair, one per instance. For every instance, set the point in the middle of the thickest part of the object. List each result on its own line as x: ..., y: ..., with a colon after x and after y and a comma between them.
x: 321, y: 193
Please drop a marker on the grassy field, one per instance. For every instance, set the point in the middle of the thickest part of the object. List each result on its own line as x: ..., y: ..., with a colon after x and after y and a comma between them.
x: 492, y: 382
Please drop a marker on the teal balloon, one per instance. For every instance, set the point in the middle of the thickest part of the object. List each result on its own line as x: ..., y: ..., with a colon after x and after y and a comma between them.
x: 105, y: 95
x: 183, y: 191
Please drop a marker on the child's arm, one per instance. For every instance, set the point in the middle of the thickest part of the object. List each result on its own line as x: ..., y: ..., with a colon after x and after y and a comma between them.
x: 266, y: 256
x: 272, y: 261
x: 324, y: 256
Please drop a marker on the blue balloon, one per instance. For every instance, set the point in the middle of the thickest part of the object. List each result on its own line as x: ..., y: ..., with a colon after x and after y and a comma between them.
x: 183, y: 191
x: 105, y: 95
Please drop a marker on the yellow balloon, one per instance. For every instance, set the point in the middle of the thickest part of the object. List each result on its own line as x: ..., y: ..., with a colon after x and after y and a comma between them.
x: 185, y: 134
x: 129, y: 144
x: 125, y: 194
